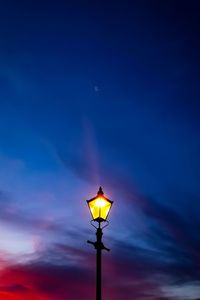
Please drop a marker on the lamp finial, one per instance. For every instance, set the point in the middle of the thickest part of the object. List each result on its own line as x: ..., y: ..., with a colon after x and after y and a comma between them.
x: 100, y: 191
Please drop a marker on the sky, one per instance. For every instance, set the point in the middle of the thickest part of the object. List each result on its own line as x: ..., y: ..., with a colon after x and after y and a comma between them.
x: 99, y: 93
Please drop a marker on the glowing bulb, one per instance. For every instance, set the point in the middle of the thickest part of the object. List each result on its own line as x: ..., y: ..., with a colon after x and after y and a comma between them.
x: 100, y: 202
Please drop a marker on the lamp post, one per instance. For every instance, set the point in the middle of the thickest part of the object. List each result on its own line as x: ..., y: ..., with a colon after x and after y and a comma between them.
x: 99, y: 207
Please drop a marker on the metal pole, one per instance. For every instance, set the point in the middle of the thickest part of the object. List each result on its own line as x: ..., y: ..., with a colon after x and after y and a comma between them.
x: 99, y: 234
x: 99, y: 246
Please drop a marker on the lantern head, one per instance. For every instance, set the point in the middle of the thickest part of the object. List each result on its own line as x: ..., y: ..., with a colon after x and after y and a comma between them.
x: 99, y: 206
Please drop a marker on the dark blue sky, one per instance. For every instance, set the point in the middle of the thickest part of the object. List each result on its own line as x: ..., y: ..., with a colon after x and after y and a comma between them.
x: 96, y: 93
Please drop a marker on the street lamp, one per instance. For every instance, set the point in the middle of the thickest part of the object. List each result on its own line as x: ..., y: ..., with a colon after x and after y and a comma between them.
x: 99, y: 207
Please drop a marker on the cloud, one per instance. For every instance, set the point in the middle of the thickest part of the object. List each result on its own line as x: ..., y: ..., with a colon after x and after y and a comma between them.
x: 64, y: 282
x: 17, y: 288
x: 42, y: 279
x: 60, y: 279
x: 14, y: 215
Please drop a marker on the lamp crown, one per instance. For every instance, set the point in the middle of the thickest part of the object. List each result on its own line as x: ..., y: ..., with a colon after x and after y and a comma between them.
x: 100, y: 191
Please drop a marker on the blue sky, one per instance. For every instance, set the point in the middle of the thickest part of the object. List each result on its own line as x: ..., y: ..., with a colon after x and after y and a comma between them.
x: 93, y: 94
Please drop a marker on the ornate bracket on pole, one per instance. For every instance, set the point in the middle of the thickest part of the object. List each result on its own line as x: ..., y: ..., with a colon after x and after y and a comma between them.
x: 98, y: 244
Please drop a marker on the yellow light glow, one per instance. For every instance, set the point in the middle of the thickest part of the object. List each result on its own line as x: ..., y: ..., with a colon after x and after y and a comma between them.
x: 100, y: 202
x: 99, y: 208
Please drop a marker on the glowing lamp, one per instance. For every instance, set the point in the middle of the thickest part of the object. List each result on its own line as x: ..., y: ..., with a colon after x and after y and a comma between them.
x: 99, y: 206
